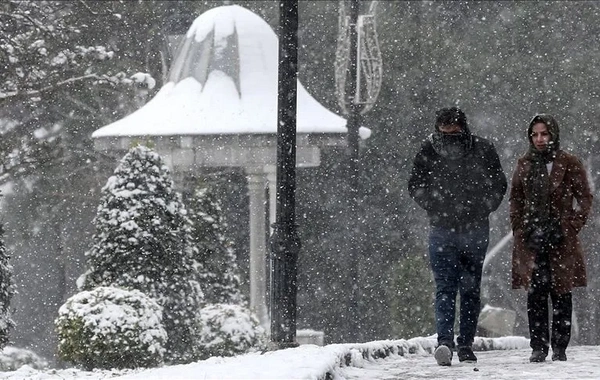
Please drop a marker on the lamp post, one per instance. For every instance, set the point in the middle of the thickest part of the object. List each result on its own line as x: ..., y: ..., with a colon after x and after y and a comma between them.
x: 285, y: 242
x: 354, y: 251
x: 358, y: 72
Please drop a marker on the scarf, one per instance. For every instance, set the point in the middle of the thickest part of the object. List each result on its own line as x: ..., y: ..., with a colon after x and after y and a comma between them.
x: 538, y: 180
x: 452, y: 146
x: 539, y: 216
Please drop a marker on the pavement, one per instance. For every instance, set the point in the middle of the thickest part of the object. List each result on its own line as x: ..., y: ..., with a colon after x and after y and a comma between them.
x: 583, y: 363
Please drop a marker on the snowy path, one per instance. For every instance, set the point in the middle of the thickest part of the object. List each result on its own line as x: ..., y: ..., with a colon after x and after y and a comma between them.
x: 583, y: 363
x: 355, y: 362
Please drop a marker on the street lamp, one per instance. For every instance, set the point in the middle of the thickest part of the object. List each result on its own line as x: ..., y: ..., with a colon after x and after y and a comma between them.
x: 285, y: 242
x: 358, y: 72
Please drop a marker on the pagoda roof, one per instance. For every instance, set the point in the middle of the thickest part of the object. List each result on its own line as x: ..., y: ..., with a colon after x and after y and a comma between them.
x: 224, y: 81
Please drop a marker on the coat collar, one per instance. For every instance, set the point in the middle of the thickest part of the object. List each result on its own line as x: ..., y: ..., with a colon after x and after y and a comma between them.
x: 559, y: 167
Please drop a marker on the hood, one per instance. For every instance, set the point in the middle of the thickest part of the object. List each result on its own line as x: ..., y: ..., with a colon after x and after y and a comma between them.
x: 452, y: 115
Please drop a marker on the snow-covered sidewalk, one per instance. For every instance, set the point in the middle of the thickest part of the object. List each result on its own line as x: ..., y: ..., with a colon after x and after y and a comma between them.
x: 582, y: 363
x: 403, y: 359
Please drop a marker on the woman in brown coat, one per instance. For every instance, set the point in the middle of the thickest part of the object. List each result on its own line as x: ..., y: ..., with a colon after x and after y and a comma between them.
x: 547, y: 256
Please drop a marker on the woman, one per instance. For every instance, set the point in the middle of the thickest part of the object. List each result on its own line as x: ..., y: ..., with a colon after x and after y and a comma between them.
x: 547, y: 256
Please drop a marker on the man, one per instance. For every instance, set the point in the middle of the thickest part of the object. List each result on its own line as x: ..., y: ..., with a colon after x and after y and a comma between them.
x: 457, y: 178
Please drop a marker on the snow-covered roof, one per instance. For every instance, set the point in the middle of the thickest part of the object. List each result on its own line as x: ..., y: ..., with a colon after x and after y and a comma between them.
x: 224, y: 81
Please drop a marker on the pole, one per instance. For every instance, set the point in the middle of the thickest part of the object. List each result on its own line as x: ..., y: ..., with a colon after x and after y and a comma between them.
x: 353, y: 124
x: 285, y: 243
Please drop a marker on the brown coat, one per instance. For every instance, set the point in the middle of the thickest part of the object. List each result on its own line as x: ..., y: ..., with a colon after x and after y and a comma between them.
x: 568, y: 182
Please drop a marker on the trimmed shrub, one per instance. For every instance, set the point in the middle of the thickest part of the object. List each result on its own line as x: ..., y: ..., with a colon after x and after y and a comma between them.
x: 109, y: 327
x: 13, y: 358
x: 142, y: 241
x: 229, y: 330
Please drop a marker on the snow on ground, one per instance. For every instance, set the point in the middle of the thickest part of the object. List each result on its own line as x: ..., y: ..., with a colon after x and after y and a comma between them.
x: 582, y: 363
x: 399, y: 359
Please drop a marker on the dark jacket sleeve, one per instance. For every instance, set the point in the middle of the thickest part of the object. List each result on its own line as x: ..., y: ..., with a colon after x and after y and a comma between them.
x: 517, y: 199
x: 583, y: 195
x: 420, y: 180
x: 497, y: 178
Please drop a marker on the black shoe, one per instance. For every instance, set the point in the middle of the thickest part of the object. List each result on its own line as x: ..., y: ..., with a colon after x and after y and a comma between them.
x: 443, y: 355
x: 538, y: 356
x: 465, y: 354
x: 559, y: 354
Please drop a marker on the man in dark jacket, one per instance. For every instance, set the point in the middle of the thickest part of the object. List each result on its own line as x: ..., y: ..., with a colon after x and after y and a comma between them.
x: 457, y: 178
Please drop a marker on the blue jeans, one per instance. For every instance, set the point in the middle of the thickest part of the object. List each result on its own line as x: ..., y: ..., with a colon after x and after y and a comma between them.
x: 456, y: 258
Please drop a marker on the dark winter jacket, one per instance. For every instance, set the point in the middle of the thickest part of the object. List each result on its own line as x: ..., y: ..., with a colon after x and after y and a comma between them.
x: 461, y: 192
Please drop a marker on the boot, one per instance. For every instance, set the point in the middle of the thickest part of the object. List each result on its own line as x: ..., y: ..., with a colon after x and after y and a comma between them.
x: 538, y: 356
x: 443, y: 355
x: 559, y: 354
x: 465, y: 354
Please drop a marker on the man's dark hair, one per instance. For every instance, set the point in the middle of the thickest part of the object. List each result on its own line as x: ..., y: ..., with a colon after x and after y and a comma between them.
x: 449, y: 116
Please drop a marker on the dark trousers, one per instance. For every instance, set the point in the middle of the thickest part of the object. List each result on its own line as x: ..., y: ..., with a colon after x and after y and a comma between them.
x: 457, y: 260
x: 537, y: 311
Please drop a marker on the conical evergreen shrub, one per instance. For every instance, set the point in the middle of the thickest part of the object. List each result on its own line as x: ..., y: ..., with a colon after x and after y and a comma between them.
x: 142, y: 241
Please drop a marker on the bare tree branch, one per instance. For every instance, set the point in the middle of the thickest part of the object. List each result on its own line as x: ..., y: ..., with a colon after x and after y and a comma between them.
x: 32, y: 93
x: 89, y: 9
x: 82, y: 2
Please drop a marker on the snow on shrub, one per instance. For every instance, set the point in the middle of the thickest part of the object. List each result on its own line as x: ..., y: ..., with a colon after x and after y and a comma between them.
x: 13, y: 358
x: 108, y: 327
x: 142, y: 241
x: 228, y: 330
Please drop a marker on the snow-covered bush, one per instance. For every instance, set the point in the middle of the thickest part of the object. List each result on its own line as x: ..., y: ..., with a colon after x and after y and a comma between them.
x: 229, y: 330
x: 142, y: 241
x: 111, y: 328
x: 215, y: 256
x: 6, y: 292
x: 13, y: 358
